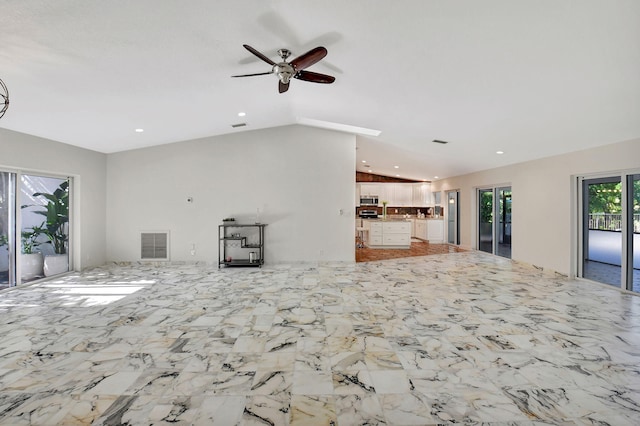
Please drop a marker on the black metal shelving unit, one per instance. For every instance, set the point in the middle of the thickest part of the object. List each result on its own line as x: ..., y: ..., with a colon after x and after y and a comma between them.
x: 234, y: 232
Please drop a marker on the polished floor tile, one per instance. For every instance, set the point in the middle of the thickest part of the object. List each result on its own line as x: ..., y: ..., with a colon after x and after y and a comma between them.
x: 442, y: 339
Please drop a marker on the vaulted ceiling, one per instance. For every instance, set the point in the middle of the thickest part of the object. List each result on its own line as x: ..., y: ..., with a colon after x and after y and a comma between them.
x: 531, y: 78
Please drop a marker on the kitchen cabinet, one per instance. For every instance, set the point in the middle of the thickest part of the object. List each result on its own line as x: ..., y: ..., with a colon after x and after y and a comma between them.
x: 431, y: 230
x: 397, y: 194
x: 421, y: 194
x: 369, y: 189
x: 421, y: 229
x: 391, y: 234
x: 402, y: 195
x: 435, y: 231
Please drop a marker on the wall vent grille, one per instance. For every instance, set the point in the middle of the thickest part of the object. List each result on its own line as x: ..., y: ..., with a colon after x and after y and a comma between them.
x: 238, y: 125
x: 154, y: 245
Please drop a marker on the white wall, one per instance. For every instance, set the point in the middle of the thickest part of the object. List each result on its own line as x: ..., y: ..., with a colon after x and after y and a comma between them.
x: 542, y: 200
x: 299, y: 178
x: 88, y: 169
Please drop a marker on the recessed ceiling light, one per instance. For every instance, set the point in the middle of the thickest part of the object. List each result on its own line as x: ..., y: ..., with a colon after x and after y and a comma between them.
x: 139, y: 130
x: 242, y: 114
x: 364, y: 161
x: 370, y: 170
x: 396, y: 167
x: 397, y: 175
x: 499, y: 152
x: 435, y: 177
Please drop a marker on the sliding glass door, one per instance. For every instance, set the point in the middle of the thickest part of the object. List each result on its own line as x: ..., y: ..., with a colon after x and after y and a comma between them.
x: 7, y: 229
x: 453, y: 211
x: 485, y: 220
x: 503, y: 231
x: 34, y: 227
x: 602, y: 230
x: 44, y: 222
x: 494, y: 221
x: 610, y: 249
x: 633, y: 232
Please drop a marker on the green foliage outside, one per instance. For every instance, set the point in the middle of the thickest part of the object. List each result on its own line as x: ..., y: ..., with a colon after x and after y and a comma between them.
x: 607, y: 198
x: 29, y: 239
x: 57, y: 215
x: 486, y: 207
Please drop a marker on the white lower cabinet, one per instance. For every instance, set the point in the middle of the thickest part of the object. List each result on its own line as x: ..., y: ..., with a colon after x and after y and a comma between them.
x: 435, y: 231
x: 390, y: 234
x: 421, y: 229
x: 431, y: 230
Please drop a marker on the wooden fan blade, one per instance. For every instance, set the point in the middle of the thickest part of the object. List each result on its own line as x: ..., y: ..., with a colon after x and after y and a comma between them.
x: 258, y: 54
x: 282, y: 87
x: 307, y: 59
x: 314, y: 77
x: 251, y: 75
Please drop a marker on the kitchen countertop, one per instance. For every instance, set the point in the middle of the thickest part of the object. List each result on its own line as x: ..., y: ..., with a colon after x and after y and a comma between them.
x: 389, y: 219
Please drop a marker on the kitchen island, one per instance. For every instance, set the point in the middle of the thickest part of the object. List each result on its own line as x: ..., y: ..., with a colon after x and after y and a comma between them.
x: 388, y: 233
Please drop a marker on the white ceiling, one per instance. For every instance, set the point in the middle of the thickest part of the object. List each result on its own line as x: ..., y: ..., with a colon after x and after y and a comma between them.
x: 532, y: 78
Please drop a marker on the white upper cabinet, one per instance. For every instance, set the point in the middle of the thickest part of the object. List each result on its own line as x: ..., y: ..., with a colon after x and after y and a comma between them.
x: 398, y: 194
x: 369, y: 189
x: 421, y: 194
x: 403, y: 195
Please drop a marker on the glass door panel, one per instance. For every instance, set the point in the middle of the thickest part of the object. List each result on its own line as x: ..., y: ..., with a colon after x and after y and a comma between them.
x: 634, y: 206
x: 453, y: 211
x: 602, y: 230
x: 503, y: 231
x: 7, y: 237
x: 44, y: 226
x: 485, y: 230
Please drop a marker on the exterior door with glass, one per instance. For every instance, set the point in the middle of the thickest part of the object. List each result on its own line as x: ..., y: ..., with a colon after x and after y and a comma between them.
x: 494, y: 221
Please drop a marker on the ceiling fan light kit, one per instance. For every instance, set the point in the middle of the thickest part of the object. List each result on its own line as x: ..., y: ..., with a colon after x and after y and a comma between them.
x: 4, y: 96
x: 285, y: 71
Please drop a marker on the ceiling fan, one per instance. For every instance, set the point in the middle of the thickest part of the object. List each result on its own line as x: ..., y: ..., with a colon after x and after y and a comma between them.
x: 294, y: 69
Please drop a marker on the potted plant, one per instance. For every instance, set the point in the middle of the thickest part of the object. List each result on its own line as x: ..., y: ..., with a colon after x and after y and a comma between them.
x: 32, y: 262
x: 56, y: 228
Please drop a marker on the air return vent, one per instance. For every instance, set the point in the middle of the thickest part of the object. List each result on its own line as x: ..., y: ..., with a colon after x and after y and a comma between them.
x: 154, y: 245
x: 440, y: 142
x: 238, y: 125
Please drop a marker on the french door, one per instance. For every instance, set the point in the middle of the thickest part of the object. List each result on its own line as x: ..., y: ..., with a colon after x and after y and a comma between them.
x: 610, y: 230
x: 494, y: 221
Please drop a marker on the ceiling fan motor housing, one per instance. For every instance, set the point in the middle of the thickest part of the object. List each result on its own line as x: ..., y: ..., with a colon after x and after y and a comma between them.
x: 284, y: 71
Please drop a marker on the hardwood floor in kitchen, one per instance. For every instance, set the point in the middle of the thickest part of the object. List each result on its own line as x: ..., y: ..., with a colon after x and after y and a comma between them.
x: 421, y: 248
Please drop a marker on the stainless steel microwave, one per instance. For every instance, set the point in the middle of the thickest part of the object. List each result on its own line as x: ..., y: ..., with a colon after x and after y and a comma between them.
x: 368, y: 200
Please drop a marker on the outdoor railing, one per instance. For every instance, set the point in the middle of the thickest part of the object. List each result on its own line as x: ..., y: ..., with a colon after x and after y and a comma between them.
x: 611, y: 222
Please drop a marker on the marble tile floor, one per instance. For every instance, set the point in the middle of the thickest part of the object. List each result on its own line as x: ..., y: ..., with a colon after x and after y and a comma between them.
x: 462, y: 338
